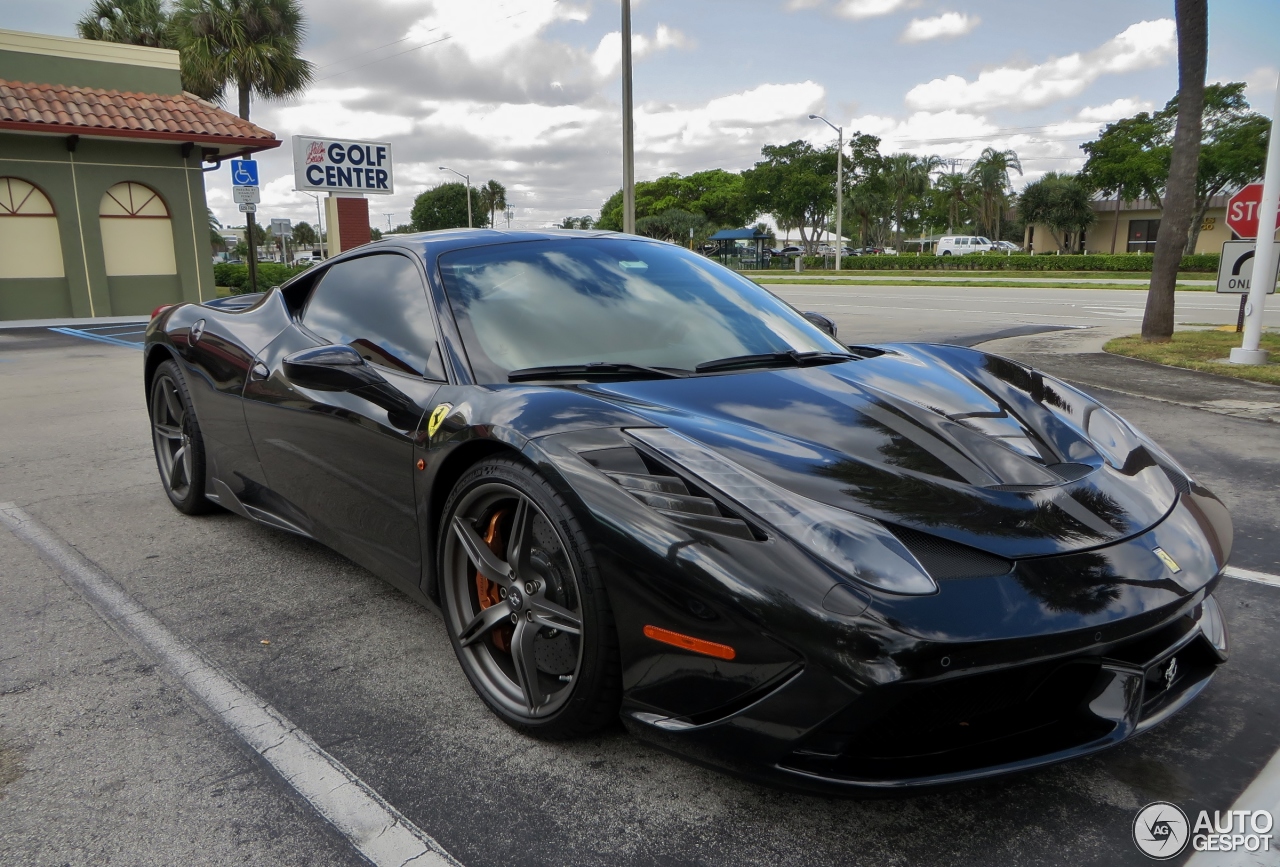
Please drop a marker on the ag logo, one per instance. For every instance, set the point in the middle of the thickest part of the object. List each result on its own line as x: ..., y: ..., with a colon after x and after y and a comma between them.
x: 1161, y: 831
x: 437, y: 418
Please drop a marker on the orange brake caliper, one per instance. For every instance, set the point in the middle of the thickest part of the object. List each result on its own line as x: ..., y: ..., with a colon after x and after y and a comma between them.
x: 486, y: 590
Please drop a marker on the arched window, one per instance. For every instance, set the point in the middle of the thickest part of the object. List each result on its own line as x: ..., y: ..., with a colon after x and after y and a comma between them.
x: 137, y: 235
x: 29, y: 241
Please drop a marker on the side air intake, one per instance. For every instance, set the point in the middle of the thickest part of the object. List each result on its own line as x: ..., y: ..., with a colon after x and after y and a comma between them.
x: 947, y: 561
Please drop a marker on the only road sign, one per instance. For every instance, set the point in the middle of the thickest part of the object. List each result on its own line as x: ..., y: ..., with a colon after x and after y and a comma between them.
x: 241, y: 194
x: 1235, y: 268
x: 244, y: 173
x: 1242, y: 211
x: 248, y: 208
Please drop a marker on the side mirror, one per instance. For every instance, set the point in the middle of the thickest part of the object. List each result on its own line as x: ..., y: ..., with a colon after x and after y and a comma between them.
x: 330, y: 368
x: 824, y: 323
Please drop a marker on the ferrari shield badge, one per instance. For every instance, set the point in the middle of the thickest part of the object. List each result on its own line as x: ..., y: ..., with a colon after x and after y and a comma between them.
x: 437, y: 417
x: 1159, y: 552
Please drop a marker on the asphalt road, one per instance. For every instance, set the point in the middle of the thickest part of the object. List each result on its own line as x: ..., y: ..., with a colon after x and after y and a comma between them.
x: 878, y: 314
x: 105, y: 760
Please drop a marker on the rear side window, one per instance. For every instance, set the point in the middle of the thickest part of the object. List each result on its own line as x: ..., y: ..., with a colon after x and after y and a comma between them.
x: 378, y: 305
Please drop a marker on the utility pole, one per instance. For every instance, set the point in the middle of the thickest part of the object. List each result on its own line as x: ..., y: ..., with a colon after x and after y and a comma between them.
x: 1264, y: 257
x: 388, y: 216
x: 249, y: 225
x: 628, y: 129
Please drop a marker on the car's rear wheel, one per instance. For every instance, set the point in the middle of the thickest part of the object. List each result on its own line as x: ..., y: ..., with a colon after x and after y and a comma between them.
x: 179, y: 447
x: 524, y: 604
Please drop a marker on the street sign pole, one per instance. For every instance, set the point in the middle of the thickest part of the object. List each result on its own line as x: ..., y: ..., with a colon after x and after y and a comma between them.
x: 249, y: 225
x: 628, y: 129
x: 1264, y: 260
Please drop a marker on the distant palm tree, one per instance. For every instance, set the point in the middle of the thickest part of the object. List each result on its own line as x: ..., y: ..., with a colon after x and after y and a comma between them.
x: 908, y: 177
x: 493, y: 198
x: 955, y: 190
x: 989, y: 175
x: 251, y: 45
x: 133, y: 22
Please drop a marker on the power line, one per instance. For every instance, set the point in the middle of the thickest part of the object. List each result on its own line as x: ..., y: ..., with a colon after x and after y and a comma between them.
x: 388, y: 57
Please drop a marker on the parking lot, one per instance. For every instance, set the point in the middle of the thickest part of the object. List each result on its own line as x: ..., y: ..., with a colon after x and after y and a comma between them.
x: 104, y: 758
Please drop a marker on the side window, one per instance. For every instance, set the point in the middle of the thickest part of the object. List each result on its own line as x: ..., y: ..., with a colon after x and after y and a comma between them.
x: 378, y: 305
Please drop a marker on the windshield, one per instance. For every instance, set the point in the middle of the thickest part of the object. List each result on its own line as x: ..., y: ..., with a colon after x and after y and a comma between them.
x: 582, y: 300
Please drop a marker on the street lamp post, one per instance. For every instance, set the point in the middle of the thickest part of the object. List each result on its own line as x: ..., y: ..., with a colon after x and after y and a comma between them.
x: 467, y: 181
x: 628, y: 129
x: 319, y: 223
x: 839, y: 186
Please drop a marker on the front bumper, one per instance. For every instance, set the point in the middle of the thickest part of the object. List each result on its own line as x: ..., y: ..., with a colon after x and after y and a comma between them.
x: 971, y: 726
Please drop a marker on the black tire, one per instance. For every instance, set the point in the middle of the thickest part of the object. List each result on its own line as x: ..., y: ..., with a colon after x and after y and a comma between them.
x: 946, y: 252
x: 556, y: 584
x: 176, y: 438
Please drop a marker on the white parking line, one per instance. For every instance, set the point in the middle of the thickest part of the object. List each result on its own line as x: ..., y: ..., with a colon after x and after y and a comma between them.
x: 1250, y: 575
x: 375, y: 828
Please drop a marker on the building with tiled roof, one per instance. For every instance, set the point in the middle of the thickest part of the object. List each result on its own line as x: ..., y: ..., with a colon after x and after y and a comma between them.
x: 102, y: 155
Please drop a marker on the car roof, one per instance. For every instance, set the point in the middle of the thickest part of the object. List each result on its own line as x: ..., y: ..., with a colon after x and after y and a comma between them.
x: 443, y: 240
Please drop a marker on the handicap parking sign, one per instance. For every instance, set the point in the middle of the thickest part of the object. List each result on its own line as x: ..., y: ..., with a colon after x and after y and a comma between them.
x: 244, y: 173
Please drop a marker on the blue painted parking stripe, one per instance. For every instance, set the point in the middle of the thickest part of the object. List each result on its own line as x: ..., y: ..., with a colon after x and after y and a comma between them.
x: 101, y: 338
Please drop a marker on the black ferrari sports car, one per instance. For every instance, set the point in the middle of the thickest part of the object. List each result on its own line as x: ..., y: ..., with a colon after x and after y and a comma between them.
x: 636, y: 484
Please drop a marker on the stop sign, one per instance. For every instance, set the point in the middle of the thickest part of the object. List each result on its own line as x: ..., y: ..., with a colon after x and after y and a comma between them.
x: 1242, y: 211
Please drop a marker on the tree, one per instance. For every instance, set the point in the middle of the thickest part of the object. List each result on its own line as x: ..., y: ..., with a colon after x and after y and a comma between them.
x: 673, y: 225
x: 251, y: 45
x: 304, y: 234
x: 1060, y: 201
x: 493, y: 198
x: 133, y: 22
x: 1192, y: 18
x: 953, y: 192
x: 402, y: 229
x: 908, y: 179
x: 989, y: 176
x: 796, y: 183
x: 716, y: 194
x: 584, y: 222
x: 443, y: 207
x: 216, y: 241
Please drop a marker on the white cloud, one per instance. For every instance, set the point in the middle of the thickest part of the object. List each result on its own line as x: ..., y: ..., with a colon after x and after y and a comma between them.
x: 944, y: 26
x: 947, y: 133
x: 750, y: 116
x: 858, y: 9
x: 484, y: 34
x: 1113, y: 111
x: 1261, y: 89
x: 1140, y: 46
x: 607, y: 58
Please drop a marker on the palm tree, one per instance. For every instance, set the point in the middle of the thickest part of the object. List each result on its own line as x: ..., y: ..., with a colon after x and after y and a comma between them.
x: 493, y: 198
x: 989, y: 175
x: 251, y: 45
x: 1180, y: 191
x: 908, y: 177
x: 954, y: 189
x: 134, y: 22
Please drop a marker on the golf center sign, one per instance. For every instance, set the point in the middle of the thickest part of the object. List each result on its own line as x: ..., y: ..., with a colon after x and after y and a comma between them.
x: 342, y: 166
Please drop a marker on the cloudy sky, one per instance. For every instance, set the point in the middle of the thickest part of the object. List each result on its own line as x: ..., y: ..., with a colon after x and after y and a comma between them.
x: 528, y: 91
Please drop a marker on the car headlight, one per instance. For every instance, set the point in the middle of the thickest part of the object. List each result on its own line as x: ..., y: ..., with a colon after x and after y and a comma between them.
x: 855, y: 546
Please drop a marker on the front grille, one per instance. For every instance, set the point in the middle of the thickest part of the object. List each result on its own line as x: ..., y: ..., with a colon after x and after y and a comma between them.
x: 945, y: 560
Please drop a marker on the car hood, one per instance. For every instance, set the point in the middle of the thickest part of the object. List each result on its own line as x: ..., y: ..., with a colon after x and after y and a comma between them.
x: 945, y: 440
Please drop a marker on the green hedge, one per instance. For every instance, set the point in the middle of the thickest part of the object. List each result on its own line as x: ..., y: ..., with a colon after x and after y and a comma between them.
x: 1206, y: 262
x: 269, y: 274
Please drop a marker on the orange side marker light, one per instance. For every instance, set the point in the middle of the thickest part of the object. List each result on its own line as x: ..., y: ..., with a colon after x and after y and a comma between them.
x: 422, y: 465
x: 688, y: 642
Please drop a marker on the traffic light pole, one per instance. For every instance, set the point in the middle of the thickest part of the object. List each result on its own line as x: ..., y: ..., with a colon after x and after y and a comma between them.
x: 1249, y: 351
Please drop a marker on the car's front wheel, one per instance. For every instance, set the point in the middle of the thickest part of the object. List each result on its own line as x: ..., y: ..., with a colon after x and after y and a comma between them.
x: 524, y: 605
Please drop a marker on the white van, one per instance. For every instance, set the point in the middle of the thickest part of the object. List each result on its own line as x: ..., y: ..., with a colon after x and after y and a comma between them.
x: 959, y: 245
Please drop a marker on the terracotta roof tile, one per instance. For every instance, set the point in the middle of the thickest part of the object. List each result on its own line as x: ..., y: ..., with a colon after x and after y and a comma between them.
x: 114, y: 112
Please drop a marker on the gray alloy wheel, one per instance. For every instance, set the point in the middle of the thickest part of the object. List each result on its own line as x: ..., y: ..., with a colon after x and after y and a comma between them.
x: 523, y: 606
x: 176, y: 437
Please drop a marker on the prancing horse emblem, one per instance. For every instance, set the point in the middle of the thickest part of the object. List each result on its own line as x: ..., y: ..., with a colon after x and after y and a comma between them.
x: 1167, y: 560
x: 1171, y: 673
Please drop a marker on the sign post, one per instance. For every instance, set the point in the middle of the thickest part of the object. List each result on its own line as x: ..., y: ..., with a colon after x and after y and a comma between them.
x: 245, y: 192
x: 1249, y: 351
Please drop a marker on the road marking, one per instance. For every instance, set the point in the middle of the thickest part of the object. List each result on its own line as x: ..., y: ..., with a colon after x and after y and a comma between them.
x: 101, y: 338
x: 1250, y: 575
x: 376, y: 829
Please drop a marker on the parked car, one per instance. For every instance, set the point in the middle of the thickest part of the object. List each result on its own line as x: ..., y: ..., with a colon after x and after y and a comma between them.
x: 1006, y: 247
x: 790, y: 251
x: 308, y: 258
x: 960, y: 245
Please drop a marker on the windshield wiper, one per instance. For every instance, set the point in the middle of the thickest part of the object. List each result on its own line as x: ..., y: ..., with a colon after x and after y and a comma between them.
x: 593, y: 369
x: 790, y: 357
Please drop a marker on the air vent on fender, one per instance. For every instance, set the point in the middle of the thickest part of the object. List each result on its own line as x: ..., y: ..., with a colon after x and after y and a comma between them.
x: 664, y: 492
x: 945, y: 560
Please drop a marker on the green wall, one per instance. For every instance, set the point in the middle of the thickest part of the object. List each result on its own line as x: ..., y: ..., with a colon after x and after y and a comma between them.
x: 80, y: 179
x: 25, y: 68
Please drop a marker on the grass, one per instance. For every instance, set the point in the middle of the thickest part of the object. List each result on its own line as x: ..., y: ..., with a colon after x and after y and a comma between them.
x: 1201, y: 350
x: 985, y: 284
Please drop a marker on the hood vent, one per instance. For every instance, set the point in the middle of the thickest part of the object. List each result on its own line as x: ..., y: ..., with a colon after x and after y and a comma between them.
x: 947, y: 561
x: 666, y: 493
